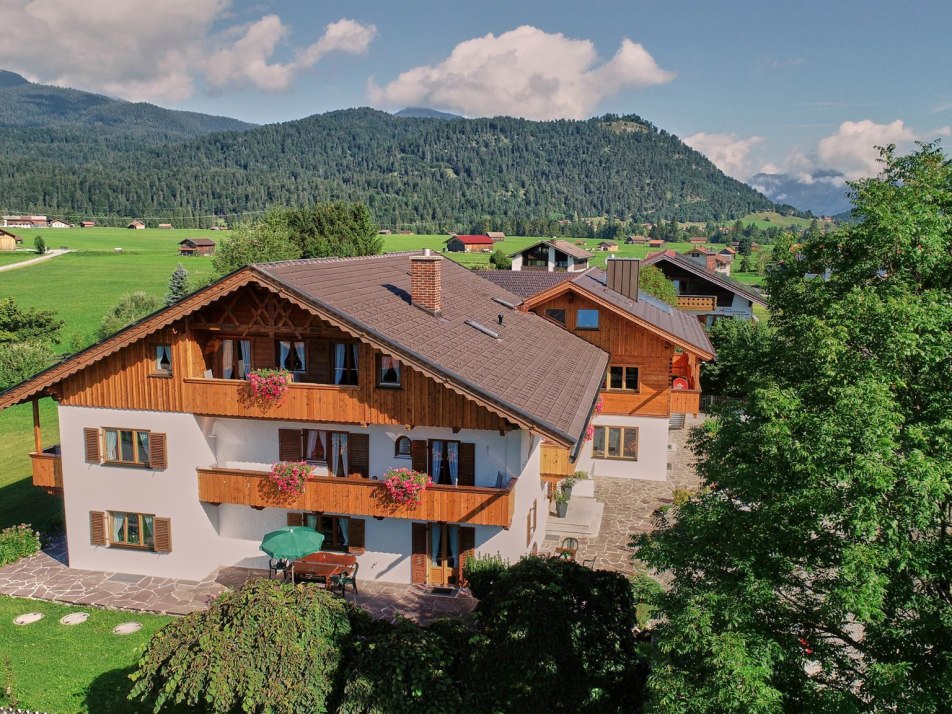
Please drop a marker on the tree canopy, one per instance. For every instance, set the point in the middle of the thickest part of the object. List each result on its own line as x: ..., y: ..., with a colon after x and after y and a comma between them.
x: 814, y: 571
x: 654, y: 282
x: 131, y: 308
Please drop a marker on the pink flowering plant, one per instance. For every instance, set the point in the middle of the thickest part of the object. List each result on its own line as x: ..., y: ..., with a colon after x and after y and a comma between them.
x: 289, y: 476
x: 406, y: 486
x: 599, y: 405
x: 269, y: 385
x: 589, y: 433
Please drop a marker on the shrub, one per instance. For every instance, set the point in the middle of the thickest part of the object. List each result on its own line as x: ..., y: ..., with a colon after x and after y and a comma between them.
x: 18, y: 542
x: 40, y: 245
x: 265, y: 647
x: 680, y: 496
x: 500, y: 260
x: 482, y: 573
x: 21, y: 360
x: 131, y: 308
x: 646, y: 591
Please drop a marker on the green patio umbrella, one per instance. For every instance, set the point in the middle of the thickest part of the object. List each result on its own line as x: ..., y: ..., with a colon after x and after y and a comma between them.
x: 292, y: 542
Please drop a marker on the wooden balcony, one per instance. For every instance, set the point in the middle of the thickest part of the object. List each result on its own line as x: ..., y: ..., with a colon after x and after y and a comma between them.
x: 685, y: 401
x: 697, y: 303
x: 231, y: 397
x: 360, y: 497
x: 555, y: 462
x: 48, y: 469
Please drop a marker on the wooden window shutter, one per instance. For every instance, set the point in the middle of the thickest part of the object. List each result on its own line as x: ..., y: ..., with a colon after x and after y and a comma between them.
x: 418, y: 455
x: 467, y: 464
x: 97, y: 528
x: 418, y: 553
x: 158, y: 452
x: 358, y: 454
x: 529, y: 528
x: 356, y: 535
x: 289, y: 445
x: 295, y: 519
x: 162, y: 534
x: 91, y: 438
x: 467, y: 548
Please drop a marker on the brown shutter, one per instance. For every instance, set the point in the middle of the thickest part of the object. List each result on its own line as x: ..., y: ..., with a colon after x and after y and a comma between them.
x: 264, y: 353
x: 529, y: 528
x: 158, y: 452
x: 319, y: 361
x: 418, y: 454
x: 97, y: 528
x: 91, y: 437
x: 467, y: 464
x: 162, y: 534
x: 358, y: 455
x: 418, y: 553
x: 467, y: 548
x: 356, y: 535
x: 289, y: 445
x: 295, y: 519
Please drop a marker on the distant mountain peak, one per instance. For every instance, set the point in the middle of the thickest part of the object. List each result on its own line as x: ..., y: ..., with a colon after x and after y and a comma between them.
x: 424, y: 113
x: 11, y: 79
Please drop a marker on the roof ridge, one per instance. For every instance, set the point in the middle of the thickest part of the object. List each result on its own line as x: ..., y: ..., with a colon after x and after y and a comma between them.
x: 334, y: 259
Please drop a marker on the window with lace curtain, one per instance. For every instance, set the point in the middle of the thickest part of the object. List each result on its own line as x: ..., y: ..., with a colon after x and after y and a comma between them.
x: 388, y: 371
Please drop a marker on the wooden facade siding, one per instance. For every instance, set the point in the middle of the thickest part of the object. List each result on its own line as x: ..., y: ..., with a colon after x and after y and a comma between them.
x: 48, y: 470
x: 686, y: 401
x: 360, y: 497
x: 628, y: 345
x: 697, y: 302
x: 555, y: 462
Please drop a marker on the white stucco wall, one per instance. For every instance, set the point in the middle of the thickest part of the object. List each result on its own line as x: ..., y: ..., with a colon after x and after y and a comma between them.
x: 205, y: 537
x: 517, y: 262
x: 652, y: 463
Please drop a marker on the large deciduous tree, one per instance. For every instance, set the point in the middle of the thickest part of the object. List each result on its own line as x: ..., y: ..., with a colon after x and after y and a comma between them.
x: 131, y: 308
x: 654, y: 282
x: 815, y: 574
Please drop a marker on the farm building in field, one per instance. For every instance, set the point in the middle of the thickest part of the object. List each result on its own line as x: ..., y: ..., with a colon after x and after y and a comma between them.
x: 57, y: 223
x: 25, y: 222
x: 7, y: 241
x: 197, y: 246
x: 497, y: 235
x: 469, y: 244
x: 13, y: 237
x: 636, y: 240
x: 656, y: 243
x: 699, y: 240
x: 384, y: 232
x: 136, y: 225
x: 165, y: 226
x: 551, y: 256
x: 607, y: 246
x: 87, y: 224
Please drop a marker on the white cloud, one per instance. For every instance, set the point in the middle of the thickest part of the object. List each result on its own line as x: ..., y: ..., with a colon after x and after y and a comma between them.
x: 729, y: 152
x: 524, y: 72
x: 157, y: 49
x: 852, y: 148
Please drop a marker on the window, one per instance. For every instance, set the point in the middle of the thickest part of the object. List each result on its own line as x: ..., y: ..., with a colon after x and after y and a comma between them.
x: 388, y: 371
x: 586, y: 320
x: 622, y: 378
x: 556, y: 314
x: 132, y: 529
x: 615, y: 442
x: 235, y: 359
x: 163, y: 359
x: 401, y: 447
x: 336, y: 530
x: 345, y: 362
x: 313, y: 442
x: 444, y: 461
x: 126, y: 446
x: 291, y: 356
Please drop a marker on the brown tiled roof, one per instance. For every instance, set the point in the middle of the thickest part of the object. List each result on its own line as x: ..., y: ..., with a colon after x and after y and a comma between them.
x: 680, y: 325
x: 563, y: 245
x: 702, y: 272
x: 524, y: 283
x: 534, y: 368
x: 198, y: 242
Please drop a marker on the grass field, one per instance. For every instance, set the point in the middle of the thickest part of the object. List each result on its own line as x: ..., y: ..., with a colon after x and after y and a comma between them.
x: 17, y: 256
x: 64, y: 669
x: 768, y: 219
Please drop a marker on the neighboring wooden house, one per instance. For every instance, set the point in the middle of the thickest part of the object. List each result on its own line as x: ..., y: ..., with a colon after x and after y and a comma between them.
x: 469, y: 244
x: 136, y: 225
x: 87, y: 224
x: 398, y: 361
x: 698, y: 240
x: 607, y: 246
x: 8, y: 236
x: 656, y: 243
x: 728, y: 253
x: 57, y: 223
x: 496, y: 236
x: 706, y: 293
x: 551, y: 256
x: 636, y: 240
x: 197, y: 246
x: 165, y: 226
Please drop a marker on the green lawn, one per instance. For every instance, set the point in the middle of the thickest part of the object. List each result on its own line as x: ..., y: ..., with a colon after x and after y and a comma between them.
x: 17, y: 256
x: 65, y: 669
x: 768, y: 219
x: 20, y: 502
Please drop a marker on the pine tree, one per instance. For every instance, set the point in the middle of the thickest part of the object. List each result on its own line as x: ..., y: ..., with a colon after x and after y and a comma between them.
x: 178, y: 285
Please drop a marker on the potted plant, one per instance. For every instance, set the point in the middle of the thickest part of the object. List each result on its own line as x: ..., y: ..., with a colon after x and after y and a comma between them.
x: 561, y: 503
x: 269, y: 385
x: 289, y: 476
x: 406, y: 486
x: 567, y: 483
x: 580, y: 475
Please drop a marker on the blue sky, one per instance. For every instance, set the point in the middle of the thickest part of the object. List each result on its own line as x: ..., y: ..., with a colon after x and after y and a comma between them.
x: 796, y: 86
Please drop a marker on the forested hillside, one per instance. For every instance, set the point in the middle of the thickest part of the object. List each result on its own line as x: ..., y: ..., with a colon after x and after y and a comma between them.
x: 98, y: 157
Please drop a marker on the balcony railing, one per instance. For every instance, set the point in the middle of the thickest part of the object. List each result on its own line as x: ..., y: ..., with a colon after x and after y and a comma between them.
x: 231, y: 397
x: 360, y: 497
x: 685, y: 401
x: 48, y: 469
x: 697, y: 302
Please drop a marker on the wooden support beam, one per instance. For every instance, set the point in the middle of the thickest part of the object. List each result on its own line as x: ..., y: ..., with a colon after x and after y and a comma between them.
x: 37, y: 435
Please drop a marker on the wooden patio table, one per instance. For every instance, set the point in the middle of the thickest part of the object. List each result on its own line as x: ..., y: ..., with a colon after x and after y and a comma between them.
x: 323, y: 564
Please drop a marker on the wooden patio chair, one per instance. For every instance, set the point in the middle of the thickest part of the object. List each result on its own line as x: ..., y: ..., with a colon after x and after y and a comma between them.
x: 568, y: 548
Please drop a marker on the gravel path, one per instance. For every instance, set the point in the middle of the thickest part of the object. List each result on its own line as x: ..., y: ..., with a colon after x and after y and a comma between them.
x: 33, y: 261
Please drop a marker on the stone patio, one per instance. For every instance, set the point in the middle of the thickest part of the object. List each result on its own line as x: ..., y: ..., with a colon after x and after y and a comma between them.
x: 630, y: 505
x: 45, y: 576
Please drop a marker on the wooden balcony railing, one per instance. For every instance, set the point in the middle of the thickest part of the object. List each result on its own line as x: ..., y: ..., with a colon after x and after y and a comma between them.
x: 360, y: 497
x: 685, y: 401
x: 555, y: 462
x: 48, y: 469
x: 697, y: 302
x: 231, y: 397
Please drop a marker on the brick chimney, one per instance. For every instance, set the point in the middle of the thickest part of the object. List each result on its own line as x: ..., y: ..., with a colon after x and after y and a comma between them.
x: 623, y: 276
x: 425, y: 281
x: 711, y: 262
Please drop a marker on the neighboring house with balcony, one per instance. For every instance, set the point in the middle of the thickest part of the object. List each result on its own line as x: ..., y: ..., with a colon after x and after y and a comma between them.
x: 707, y: 293
x: 398, y: 360
x: 653, y: 377
x: 551, y: 256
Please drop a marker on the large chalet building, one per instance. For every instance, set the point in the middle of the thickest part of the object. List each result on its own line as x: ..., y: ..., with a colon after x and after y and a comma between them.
x: 399, y: 360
